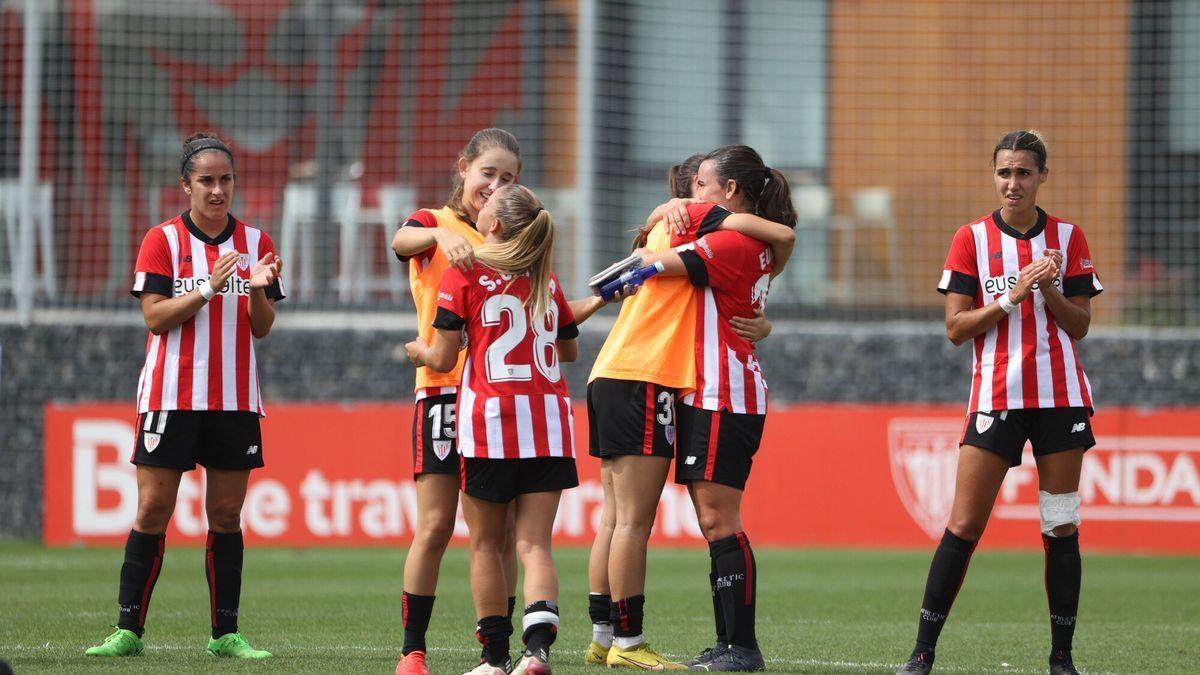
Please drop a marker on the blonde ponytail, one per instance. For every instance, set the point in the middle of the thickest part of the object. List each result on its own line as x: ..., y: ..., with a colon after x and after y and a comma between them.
x: 526, y: 243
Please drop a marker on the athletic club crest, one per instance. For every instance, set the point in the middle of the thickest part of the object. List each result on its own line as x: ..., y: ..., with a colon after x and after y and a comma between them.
x: 669, y: 432
x: 923, y: 454
x: 151, y: 440
x: 442, y: 449
x: 983, y: 422
x: 243, y: 262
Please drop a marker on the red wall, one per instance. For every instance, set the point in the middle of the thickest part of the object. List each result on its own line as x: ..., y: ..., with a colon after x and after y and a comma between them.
x: 826, y: 475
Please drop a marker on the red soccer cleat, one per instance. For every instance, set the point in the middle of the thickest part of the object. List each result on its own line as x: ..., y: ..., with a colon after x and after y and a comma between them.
x: 412, y: 663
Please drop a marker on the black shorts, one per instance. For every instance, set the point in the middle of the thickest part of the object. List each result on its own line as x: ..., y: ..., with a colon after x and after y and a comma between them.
x: 434, y: 442
x: 215, y: 439
x: 716, y: 446
x: 1049, y: 430
x: 627, y: 417
x: 501, y: 480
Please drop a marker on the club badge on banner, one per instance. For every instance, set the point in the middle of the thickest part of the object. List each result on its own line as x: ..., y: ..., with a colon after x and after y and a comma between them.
x: 341, y: 474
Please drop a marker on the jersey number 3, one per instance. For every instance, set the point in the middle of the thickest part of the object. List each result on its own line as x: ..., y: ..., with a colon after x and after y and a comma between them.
x: 545, y: 353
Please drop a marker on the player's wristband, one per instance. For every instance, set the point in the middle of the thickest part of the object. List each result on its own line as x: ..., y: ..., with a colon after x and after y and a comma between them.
x: 1006, y: 303
x: 206, y: 291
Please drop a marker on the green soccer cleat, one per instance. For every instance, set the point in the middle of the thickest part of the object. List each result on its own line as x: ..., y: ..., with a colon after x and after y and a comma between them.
x: 121, y: 643
x: 234, y: 646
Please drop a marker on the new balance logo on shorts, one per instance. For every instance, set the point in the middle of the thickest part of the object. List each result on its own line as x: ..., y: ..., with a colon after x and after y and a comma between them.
x: 691, y: 459
x: 252, y: 450
x: 1078, y: 427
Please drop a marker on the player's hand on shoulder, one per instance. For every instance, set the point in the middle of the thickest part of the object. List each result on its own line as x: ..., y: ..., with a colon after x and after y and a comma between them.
x: 457, y: 249
x: 676, y: 217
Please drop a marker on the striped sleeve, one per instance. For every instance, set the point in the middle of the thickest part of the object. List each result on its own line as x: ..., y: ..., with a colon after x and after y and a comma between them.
x: 960, y: 274
x: 420, y: 218
x: 1080, y: 276
x: 153, y: 272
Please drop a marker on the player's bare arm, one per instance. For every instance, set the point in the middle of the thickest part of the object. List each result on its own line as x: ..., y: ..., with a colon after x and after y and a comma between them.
x: 409, y: 241
x: 1073, y: 314
x: 672, y: 263
x: 441, y: 355
x: 568, y: 350
x: 585, y: 307
x: 780, y: 238
x: 963, y: 322
x: 261, y: 308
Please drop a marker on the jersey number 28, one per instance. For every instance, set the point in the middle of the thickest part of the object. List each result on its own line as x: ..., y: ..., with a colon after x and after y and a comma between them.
x: 545, y: 332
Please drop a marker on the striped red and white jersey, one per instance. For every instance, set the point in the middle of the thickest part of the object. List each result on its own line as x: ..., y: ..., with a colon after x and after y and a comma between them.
x: 1026, y: 360
x: 208, y: 362
x: 513, y: 402
x: 732, y: 275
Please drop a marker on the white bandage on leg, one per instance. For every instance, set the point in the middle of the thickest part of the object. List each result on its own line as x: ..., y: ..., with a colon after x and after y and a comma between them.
x: 534, y: 618
x: 1058, y: 510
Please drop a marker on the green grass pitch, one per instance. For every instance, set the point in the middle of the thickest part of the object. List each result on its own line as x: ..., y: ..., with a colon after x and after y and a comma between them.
x: 338, y: 610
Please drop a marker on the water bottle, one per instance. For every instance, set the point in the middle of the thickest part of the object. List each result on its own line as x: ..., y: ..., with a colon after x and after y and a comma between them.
x: 634, y: 277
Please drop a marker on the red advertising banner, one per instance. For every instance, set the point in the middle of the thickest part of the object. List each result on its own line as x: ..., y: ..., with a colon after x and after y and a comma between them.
x: 826, y: 475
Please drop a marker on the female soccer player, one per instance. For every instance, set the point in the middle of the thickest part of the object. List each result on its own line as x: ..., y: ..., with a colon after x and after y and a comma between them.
x: 433, y: 240
x: 1020, y: 282
x: 207, y: 283
x: 721, y: 422
x: 514, y: 424
x: 645, y: 362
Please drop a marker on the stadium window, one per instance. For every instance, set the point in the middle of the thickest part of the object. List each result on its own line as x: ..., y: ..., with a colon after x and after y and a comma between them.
x: 677, y: 77
x: 1183, y: 78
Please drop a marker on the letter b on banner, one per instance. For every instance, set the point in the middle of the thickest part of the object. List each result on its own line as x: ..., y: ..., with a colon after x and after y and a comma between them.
x: 91, y: 477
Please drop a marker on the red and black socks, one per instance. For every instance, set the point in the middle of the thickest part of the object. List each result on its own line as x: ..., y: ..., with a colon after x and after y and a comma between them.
x: 223, y: 566
x: 139, y: 573
x: 1063, y: 574
x: 415, y: 611
x: 493, y: 633
x: 626, y: 617
x: 735, y: 581
x: 946, y: 574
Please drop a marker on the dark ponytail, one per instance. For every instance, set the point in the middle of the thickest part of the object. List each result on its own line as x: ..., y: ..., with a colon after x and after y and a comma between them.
x: 765, y: 190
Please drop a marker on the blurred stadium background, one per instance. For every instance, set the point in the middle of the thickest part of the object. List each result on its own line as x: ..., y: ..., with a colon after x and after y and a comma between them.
x: 346, y: 115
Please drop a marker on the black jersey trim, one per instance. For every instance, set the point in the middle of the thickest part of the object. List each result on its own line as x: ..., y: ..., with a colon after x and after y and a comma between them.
x: 1080, y: 284
x: 964, y: 284
x: 1034, y: 231
x: 197, y: 233
x: 712, y: 220
x: 274, y: 291
x: 413, y: 222
x: 696, y: 270
x: 568, y: 332
x: 155, y: 283
x: 447, y: 320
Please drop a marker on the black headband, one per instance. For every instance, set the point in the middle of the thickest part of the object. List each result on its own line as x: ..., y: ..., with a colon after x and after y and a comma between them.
x: 199, y: 146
